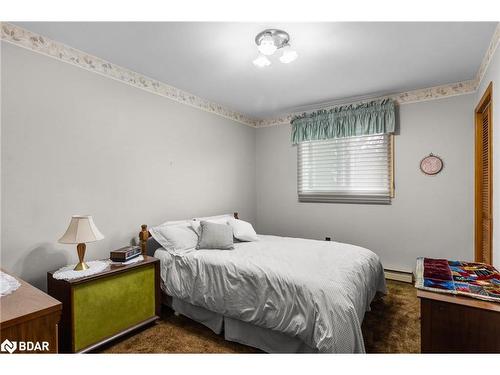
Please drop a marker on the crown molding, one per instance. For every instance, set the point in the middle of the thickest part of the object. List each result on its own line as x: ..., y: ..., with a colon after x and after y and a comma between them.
x: 26, y: 39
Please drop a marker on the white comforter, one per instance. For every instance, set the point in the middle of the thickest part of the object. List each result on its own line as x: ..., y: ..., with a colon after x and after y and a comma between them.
x: 316, y: 290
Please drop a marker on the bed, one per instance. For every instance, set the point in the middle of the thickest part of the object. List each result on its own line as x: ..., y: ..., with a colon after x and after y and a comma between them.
x: 278, y: 294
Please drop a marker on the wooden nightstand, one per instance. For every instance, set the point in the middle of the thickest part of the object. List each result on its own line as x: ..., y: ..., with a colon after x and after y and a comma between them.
x: 28, y: 314
x: 107, y: 305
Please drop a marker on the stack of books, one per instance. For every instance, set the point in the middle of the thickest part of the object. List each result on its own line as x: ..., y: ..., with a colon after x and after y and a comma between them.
x: 125, y: 254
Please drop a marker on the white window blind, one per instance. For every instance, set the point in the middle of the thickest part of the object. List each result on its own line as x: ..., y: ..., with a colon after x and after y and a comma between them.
x: 346, y: 170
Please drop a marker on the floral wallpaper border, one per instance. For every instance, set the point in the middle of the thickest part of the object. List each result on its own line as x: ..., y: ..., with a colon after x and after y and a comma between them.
x: 488, y: 55
x: 413, y: 96
x: 37, y: 43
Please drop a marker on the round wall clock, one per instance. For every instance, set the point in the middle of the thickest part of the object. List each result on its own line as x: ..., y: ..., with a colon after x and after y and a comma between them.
x: 431, y: 165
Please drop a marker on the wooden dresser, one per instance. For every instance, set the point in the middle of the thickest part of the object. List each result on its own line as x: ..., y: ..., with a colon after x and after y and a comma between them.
x: 30, y: 315
x: 106, y: 305
x: 456, y: 324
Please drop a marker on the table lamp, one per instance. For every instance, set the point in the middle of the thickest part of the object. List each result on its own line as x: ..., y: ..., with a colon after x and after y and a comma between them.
x: 81, y: 229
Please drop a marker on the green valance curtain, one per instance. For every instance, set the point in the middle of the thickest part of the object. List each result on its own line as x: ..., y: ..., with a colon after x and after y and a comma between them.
x: 376, y: 117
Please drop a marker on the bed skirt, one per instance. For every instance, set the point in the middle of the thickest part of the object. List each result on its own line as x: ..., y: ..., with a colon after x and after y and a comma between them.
x: 238, y: 331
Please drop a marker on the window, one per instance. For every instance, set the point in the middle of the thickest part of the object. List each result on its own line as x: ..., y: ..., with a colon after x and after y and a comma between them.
x: 346, y: 170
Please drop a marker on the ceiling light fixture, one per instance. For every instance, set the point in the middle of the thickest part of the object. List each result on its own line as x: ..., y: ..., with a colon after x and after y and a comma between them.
x: 261, y: 61
x: 288, y: 55
x: 268, y: 42
x: 267, y: 46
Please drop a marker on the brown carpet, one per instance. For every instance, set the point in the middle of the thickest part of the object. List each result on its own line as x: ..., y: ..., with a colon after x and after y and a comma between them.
x: 392, y: 326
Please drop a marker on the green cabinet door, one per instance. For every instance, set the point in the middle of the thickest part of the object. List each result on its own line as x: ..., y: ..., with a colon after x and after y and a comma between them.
x: 106, y: 306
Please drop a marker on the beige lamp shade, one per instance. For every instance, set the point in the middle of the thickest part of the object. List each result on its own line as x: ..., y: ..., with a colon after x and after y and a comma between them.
x: 81, y: 229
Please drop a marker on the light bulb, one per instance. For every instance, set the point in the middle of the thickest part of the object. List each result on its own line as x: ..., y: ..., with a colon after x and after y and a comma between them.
x: 261, y: 61
x: 267, y: 46
x: 288, y: 55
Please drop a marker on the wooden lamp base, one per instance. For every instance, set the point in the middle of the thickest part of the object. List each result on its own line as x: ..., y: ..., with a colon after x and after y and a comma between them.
x: 81, y: 266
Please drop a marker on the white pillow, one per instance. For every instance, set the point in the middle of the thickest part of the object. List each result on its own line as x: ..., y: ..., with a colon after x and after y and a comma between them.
x: 212, y: 218
x: 176, y: 222
x: 195, y: 223
x: 243, y: 230
x: 175, y: 237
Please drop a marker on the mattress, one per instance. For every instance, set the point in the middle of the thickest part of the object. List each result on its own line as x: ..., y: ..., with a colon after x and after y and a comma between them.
x: 316, y: 291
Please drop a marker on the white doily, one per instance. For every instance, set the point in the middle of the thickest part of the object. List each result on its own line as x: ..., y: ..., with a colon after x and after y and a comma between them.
x: 67, y: 272
x: 8, y: 284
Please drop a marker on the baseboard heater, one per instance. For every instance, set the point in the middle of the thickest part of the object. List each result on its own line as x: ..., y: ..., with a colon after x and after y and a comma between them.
x: 405, y: 277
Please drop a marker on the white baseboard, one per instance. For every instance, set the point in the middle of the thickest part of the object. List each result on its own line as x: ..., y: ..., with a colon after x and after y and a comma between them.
x: 403, y: 276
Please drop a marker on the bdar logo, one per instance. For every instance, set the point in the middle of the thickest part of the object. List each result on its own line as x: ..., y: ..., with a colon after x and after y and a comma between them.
x: 8, y: 346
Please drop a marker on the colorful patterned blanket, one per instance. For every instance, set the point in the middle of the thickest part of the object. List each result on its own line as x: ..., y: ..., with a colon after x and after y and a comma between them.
x: 477, y: 280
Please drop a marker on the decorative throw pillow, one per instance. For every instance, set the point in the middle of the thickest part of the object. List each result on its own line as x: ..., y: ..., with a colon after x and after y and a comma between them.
x: 215, y: 236
x: 196, y: 223
x: 175, y: 237
x: 243, y: 230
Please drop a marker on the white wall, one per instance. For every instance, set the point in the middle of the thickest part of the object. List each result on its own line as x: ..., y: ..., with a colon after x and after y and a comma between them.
x: 74, y: 142
x: 430, y: 216
x: 493, y: 75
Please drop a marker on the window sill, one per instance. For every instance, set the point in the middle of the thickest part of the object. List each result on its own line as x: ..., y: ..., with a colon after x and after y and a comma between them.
x: 348, y: 200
